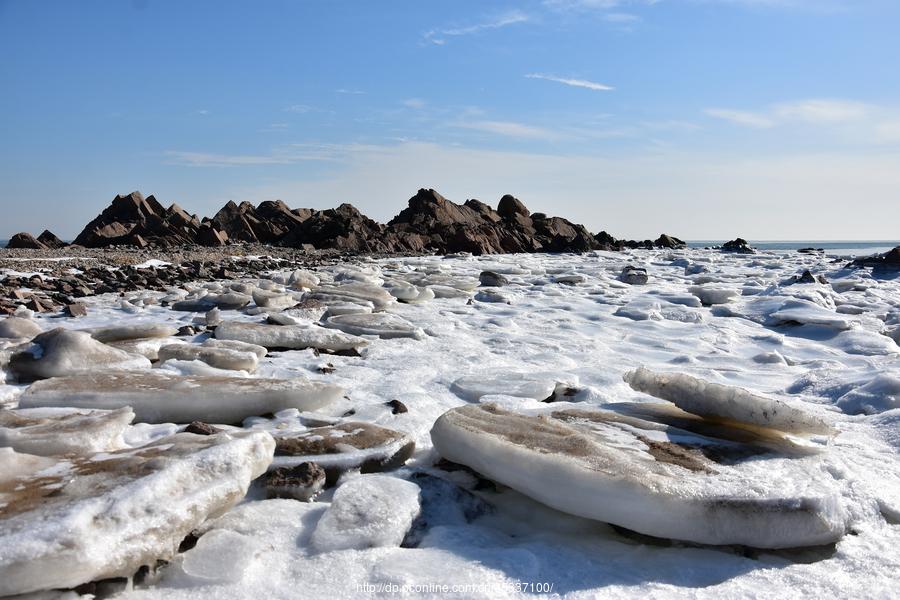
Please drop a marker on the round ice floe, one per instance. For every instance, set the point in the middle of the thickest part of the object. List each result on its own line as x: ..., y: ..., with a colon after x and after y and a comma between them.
x: 368, y: 511
x: 49, y: 431
x: 17, y: 327
x: 60, y: 352
x: 220, y: 556
x: 273, y: 300
x: 736, y: 404
x: 159, y: 396
x: 538, y: 386
x: 647, y: 475
x: 295, y: 337
x: 220, y: 358
x: 259, y: 351
x: 80, y: 532
x: 120, y: 333
x: 384, y: 325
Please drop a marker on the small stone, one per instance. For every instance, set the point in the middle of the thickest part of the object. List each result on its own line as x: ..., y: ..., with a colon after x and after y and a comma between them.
x: 201, y: 428
x: 303, y: 482
x: 186, y: 330
x: 397, y: 407
x: 75, y: 310
x: 492, y: 279
x: 634, y: 275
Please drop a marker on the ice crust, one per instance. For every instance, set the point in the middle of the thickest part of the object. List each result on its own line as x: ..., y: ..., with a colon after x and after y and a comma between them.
x: 482, y: 532
x: 296, y: 337
x: 158, y: 396
x: 368, y: 511
x: 730, y: 403
x: 600, y: 468
x: 73, y: 521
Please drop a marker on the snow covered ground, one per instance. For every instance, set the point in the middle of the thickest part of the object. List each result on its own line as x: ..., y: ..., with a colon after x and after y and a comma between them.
x: 567, y: 326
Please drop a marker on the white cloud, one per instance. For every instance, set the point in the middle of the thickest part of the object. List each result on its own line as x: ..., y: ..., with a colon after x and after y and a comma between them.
x: 678, y: 193
x: 349, y: 91
x: 856, y: 122
x: 888, y: 132
x: 582, y: 83
x: 438, y: 36
x: 620, y: 17
x: 741, y: 117
x: 511, y: 129
x: 278, y: 157
x: 822, y: 111
x: 299, y: 108
x: 414, y: 103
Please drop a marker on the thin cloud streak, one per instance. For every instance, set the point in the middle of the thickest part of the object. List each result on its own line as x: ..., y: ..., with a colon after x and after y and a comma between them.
x: 580, y: 83
x: 437, y: 36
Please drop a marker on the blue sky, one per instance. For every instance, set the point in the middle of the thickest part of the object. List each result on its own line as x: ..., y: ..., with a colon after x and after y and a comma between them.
x: 707, y: 119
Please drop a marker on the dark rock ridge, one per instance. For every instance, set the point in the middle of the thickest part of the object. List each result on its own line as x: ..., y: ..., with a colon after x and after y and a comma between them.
x: 26, y: 241
x: 46, y: 241
x: 430, y: 223
x: 887, y: 261
x: 739, y: 246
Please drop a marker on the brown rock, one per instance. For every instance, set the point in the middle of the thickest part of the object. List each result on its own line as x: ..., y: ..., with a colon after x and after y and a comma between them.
x: 25, y: 241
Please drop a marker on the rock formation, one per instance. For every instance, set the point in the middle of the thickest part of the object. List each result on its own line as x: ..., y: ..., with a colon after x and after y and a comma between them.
x: 430, y: 223
x: 27, y: 241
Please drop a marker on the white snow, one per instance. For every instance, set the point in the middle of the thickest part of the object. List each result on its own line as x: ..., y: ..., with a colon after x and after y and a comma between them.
x: 571, y: 332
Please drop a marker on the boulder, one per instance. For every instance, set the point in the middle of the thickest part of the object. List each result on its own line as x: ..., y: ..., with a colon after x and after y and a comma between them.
x: 49, y: 239
x: 26, y: 241
x: 668, y: 241
x: 887, y: 261
x: 302, y: 482
x: 634, y: 275
x: 738, y: 246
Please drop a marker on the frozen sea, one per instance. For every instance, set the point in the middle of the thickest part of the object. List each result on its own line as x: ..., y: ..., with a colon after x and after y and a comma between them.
x: 570, y: 319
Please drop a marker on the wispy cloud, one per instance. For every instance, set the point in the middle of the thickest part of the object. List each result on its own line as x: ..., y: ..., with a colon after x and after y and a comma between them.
x: 439, y: 36
x: 349, y: 91
x: 298, y: 108
x: 822, y: 111
x: 511, y: 129
x: 278, y: 157
x: 414, y: 103
x: 741, y: 117
x: 815, y: 111
x: 581, y: 83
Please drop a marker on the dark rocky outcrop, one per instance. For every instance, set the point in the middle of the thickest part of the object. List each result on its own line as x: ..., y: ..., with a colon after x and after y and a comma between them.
x: 25, y: 240
x: 265, y: 224
x: 668, y: 241
x: 49, y: 239
x: 341, y: 228
x: 137, y: 221
x: 739, y: 246
x: 475, y: 227
x: 430, y: 223
x: 887, y: 261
